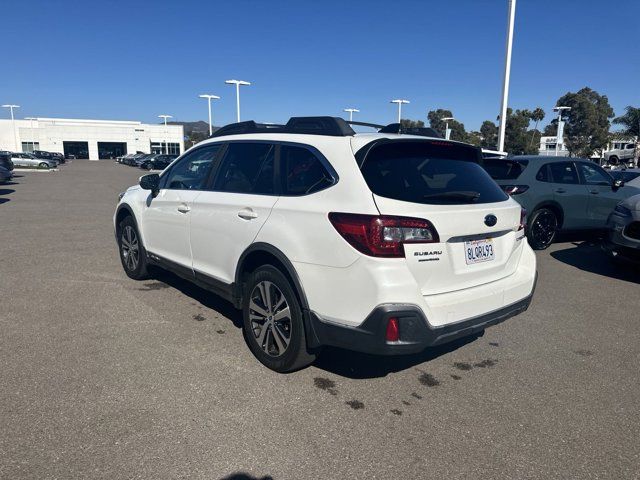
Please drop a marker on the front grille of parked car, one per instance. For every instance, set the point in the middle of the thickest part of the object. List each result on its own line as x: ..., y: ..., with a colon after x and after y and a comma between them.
x: 633, y: 230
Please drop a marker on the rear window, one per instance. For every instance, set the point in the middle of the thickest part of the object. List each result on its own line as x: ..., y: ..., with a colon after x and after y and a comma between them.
x: 437, y: 173
x: 502, y: 169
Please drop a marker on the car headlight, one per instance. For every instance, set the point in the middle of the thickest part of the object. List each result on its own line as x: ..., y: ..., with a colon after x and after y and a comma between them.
x: 622, y: 211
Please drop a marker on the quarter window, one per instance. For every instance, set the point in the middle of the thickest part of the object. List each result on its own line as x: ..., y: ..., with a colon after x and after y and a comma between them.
x: 543, y: 174
x: 191, y: 171
x: 564, y: 172
x: 247, y: 168
x: 302, y: 172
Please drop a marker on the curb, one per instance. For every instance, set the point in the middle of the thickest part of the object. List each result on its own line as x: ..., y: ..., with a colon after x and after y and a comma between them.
x: 46, y: 170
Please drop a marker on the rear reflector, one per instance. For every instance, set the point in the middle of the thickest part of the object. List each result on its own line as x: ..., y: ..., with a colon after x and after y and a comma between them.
x: 523, y: 219
x: 382, y: 235
x: 393, y: 330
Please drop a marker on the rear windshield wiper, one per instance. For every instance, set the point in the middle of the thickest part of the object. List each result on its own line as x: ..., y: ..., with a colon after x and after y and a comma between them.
x: 469, y: 196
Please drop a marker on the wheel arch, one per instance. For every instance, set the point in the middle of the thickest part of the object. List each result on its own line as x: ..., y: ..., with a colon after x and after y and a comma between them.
x: 553, y: 206
x: 259, y: 254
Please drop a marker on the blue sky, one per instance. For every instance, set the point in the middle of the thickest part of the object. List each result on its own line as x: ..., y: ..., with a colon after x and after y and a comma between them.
x: 133, y: 60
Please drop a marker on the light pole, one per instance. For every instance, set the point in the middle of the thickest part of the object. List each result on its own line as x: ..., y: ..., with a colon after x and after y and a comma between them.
x: 166, y: 146
x: 13, y: 123
x: 399, y: 101
x: 560, y: 131
x: 507, y: 73
x: 33, y: 143
x: 447, y: 133
x: 237, y: 83
x: 351, y: 110
x: 209, y: 97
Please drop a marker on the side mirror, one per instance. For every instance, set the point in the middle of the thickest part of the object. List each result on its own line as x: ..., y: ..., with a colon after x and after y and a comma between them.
x: 618, y: 184
x: 150, y: 182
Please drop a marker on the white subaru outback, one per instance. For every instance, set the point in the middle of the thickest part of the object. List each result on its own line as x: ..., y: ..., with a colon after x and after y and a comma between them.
x: 384, y: 243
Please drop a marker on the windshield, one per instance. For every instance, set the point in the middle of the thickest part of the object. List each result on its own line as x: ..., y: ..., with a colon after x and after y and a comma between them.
x: 429, y: 172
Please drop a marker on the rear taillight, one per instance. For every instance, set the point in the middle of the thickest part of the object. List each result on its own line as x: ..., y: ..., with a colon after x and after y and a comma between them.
x: 382, y: 235
x: 393, y: 330
x: 515, y: 189
x: 523, y: 219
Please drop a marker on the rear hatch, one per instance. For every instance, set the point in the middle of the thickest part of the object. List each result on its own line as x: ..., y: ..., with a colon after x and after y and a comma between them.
x: 477, y: 224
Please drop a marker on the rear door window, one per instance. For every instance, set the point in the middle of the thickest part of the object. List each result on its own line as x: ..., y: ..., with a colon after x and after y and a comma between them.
x: 564, y: 172
x: 427, y: 172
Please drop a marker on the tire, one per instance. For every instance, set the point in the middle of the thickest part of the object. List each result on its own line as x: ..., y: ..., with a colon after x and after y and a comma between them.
x: 279, y: 344
x: 132, y: 253
x: 613, y: 160
x: 43, y: 165
x: 542, y: 228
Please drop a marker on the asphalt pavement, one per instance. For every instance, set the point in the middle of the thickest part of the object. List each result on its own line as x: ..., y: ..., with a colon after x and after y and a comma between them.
x: 104, y: 377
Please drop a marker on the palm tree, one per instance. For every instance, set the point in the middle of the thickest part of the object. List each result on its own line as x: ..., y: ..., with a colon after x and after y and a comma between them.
x: 631, y: 122
x: 538, y: 116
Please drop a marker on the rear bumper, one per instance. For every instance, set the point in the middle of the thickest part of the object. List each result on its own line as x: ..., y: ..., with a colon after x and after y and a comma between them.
x: 416, y: 333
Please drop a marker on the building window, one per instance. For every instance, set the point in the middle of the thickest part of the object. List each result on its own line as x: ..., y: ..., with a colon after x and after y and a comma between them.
x: 550, y: 146
x: 30, y: 146
x: 159, y: 147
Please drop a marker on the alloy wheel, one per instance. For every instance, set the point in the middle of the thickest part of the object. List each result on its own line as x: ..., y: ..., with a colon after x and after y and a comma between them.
x: 130, y: 247
x: 544, y: 227
x: 270, y: 318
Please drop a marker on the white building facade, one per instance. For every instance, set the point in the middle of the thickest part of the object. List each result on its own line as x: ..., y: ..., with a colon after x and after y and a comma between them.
x: 91, y: 139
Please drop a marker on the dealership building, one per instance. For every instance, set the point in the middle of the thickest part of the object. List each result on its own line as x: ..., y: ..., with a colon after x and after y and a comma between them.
x: 92, y: 139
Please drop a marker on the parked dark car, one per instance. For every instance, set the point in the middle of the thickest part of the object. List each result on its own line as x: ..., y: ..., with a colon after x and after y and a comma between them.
x: 159, y: 162
x: 623, y: 241
x: 625, y: 175
x: 5, y: 175
x: 58, y: 156
x: 5, y: 160
x: 138, y: 161
x: 69, y: 156
x: 558, y: 193
x: 132, y: 160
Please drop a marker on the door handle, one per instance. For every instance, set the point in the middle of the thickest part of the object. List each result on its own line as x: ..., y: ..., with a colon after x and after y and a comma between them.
x: 247, y: 214
x: 594, y: 192
x: 561, y: 190
x: 184, y: 208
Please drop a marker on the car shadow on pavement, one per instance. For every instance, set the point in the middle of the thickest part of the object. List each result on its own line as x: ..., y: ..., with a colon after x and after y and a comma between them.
x: 589, y: 257
x: 204, y: 297
x: 5, y: 191
x: 358, y: 365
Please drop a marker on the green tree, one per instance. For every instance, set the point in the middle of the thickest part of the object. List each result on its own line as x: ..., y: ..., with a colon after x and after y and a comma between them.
x: 537, y: 116
x: 489, y: 134
x: 474, y: 138
x: 458, y: 131
x: 407, y: 123
x: 587, y: 123
x: 551, y: 130
x: 630, y: 122
x: 516, y: 140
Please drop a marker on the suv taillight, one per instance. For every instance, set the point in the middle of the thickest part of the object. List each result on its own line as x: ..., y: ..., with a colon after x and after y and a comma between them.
x: 515, y: 189
x: 523, y: 219
x: 382, y: 235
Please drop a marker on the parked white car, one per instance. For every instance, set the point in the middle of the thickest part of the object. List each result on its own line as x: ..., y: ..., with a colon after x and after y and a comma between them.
x: 28, y: 160
x: 383, y: 243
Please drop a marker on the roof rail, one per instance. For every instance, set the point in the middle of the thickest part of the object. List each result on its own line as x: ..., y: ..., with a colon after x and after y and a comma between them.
x: 420, y: 131
x: 332, y: 126
x: 246, y: 127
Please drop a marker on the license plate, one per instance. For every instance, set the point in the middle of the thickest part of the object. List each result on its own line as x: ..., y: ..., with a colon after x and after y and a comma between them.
x: 478, y: 251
